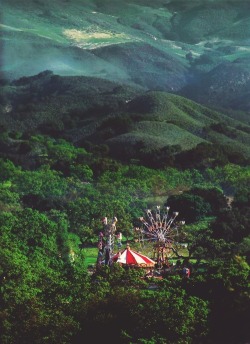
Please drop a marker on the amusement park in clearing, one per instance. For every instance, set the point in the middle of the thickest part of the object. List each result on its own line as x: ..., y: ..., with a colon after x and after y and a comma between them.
x: 161, y: 231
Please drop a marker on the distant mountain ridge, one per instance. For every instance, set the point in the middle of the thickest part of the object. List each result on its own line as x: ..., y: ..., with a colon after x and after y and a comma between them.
x: 199, y: 49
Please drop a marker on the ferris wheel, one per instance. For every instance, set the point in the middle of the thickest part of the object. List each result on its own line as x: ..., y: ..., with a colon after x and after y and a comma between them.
x: 161, y: 231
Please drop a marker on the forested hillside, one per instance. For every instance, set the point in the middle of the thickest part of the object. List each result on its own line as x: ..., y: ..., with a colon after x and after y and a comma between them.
x: 110, y: 109
x: 54, y: 192
x: 157, y: 128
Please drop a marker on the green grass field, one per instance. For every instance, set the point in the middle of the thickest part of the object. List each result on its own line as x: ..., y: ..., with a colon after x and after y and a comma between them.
x: 90, y: 254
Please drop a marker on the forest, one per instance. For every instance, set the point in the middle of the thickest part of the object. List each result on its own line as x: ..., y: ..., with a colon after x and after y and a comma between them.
x: 109, y: 109
x: 54, y: 194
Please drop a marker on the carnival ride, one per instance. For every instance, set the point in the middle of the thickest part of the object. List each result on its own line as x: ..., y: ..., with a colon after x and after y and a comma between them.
x: 106, y: 241
x: 160, y: 232
x: 131, y: 258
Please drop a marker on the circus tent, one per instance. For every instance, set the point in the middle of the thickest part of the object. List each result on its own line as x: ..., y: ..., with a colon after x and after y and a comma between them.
x: 132, y: 258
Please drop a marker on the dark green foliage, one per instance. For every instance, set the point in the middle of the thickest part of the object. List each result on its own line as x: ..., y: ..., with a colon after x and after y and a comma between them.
x: 242, y: 197
x: 191, y: 206
x: 158, y: 158
x: 225, y: 285
x: 213, y: 196
x: 7, y: 170
x: 244, y: 248
x: 135, y: 315
x: 117, y: 125
x: 232, y: 225
x: 243, y: 128
x: 51, y: 209
x: 223, y: 129
x: 207, y: 155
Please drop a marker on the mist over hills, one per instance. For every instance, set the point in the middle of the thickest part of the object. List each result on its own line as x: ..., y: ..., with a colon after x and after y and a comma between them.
x: 199, y: 49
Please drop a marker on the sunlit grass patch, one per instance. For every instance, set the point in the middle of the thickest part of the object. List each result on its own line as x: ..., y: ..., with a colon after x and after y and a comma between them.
x: 92, y: 38
x: 90, y: 254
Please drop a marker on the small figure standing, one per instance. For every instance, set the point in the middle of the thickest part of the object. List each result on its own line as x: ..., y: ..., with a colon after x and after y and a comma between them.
x: 150, y: 273
x: 186, y: 272
x: 119, y: 240
x: 99, y: 258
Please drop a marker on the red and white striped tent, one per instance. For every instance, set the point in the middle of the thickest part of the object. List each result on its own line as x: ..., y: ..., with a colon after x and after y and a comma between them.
x: 132, y: 258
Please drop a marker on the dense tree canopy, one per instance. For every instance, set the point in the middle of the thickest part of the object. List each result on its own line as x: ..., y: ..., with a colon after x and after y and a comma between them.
x: 51, y: 206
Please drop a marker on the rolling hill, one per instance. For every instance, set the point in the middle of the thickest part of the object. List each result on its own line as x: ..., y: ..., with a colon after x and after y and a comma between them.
x: 84, y: 109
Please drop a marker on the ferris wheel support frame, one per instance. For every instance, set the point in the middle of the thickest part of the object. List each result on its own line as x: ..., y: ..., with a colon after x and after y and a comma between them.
x: 160, y: 229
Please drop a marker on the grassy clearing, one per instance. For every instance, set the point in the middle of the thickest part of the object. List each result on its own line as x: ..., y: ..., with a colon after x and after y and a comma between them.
x: 90, y: 254
x: 95, y: 38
